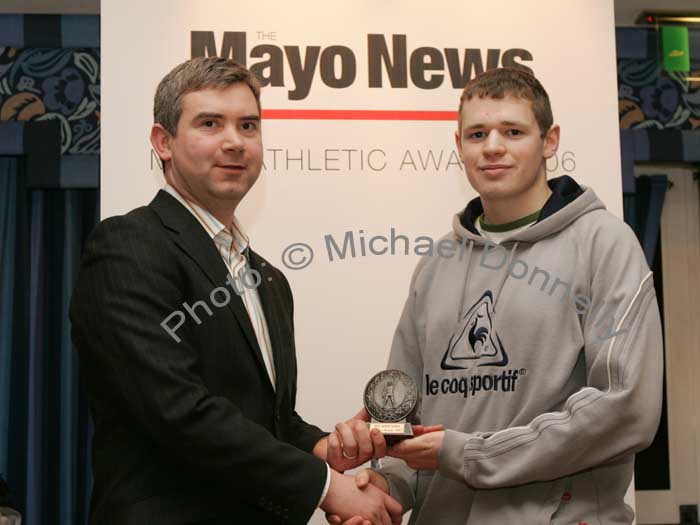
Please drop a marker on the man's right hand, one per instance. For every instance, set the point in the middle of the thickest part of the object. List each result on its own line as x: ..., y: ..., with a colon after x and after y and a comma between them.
x: 347, y: 501
x: 363, y: 479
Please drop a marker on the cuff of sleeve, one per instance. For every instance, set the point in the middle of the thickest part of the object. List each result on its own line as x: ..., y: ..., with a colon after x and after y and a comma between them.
x: 451, y: 459
x: 326, y: 486
x: 402, y: 480
x: 308, y: 440
x: 399, y: 490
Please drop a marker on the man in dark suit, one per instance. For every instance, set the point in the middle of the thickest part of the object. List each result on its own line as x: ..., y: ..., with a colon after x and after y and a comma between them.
x: 186, y: 339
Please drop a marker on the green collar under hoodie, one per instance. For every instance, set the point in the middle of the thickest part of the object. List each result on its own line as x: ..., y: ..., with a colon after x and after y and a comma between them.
x: 542, y: 356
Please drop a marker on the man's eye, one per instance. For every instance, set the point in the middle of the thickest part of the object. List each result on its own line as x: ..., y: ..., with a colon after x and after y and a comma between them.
x: 514, y: 132
x: 209, y: 123
x: 249, y: 126
x: 477, y: 135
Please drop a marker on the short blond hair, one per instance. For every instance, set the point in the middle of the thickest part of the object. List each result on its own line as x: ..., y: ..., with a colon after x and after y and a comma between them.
x: 194, y: 75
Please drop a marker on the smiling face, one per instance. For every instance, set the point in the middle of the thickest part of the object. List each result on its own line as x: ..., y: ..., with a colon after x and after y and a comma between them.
x: 216, y: 155
x: 504, y: 153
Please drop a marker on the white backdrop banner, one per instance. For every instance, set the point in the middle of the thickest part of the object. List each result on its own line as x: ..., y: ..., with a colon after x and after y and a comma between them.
x: 359, y: 113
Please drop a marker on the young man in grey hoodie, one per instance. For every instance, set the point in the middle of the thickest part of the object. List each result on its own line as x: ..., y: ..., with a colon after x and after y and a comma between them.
x: 537, y: 343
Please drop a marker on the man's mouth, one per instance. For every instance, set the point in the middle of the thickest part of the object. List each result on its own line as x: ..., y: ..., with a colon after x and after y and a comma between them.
x: 494, y: 169
x: 232, y: 167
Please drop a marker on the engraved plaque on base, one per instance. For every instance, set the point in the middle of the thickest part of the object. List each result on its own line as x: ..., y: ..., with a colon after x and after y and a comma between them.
x: 390, y: 399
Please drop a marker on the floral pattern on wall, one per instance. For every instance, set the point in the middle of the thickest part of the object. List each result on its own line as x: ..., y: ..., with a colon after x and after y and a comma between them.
x: 649, y: 97
x: 54, y: 84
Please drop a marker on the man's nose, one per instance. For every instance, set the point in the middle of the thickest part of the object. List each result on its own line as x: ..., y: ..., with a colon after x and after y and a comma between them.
x: 493, y: 145
x: 233, y: 140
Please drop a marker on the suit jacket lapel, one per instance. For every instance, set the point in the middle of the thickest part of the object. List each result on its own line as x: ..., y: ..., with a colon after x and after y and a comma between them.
x: 270, y: 306
x: 194, y: 240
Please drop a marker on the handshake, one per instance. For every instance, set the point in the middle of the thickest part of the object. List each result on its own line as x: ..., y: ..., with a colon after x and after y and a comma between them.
x: 365, y: 500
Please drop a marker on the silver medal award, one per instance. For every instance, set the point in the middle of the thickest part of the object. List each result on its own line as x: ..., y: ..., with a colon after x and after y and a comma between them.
x: 390, y: 399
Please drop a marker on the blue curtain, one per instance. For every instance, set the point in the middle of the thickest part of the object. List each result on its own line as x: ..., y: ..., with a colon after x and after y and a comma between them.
x: 45, y: 433
x: 643, y: 203
x: 8, y: 211
x: 642, y: 211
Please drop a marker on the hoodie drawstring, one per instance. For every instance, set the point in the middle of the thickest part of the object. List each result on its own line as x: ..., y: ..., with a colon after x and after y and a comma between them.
x: 465, y: 283
x: 505, y: 274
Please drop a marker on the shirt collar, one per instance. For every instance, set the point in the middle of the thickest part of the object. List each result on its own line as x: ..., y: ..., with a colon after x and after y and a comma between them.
x: 213, y: 226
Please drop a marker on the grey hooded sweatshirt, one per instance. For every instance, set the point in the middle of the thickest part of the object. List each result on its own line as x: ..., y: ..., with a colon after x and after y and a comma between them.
x: 542, y: 356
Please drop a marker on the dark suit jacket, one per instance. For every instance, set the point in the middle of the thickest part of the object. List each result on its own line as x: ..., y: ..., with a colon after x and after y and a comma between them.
x: 189, y: 431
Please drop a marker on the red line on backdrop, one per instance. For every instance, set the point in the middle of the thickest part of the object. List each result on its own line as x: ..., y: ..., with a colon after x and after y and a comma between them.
x: 356, y: 114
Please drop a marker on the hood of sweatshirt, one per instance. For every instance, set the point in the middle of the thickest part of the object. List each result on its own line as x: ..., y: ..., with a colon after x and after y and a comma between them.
x: 566, y: 204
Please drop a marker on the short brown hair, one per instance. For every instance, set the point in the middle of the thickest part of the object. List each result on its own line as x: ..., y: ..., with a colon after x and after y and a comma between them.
x: 193, y: 75
x: 513, y: 81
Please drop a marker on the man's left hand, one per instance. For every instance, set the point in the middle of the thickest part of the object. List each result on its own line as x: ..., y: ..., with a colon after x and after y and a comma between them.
x: 420, y: 453
x: 352, y: 444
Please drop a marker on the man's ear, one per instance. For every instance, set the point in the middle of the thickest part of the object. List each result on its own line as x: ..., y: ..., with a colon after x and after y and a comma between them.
x: 551, y: 142
x: 458, y: 142
x: 160, y: 140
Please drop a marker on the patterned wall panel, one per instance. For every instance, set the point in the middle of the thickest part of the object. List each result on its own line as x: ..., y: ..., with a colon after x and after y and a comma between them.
x: 650, y: 98
x: 61, y: 85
